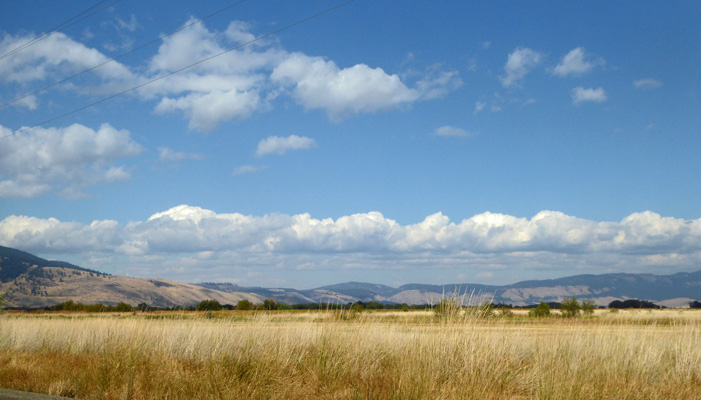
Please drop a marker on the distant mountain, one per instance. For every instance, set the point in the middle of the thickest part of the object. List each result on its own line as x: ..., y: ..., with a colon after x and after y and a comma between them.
x: 670, y: 290
x: 31, y: 281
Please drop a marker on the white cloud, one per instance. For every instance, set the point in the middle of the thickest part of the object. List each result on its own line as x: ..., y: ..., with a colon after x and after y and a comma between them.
x: 580, y: 94
x: 185, y: 229
x: 40, y: 160
x: 647, y: 83
x: 577, y: 62
x: 246, y: 169
x: 451, y: 131
x: 479, y: 106
x: 202, y: 241
x: 169, y: 155
x: 54, y: 57
x: 130, y: 26
x: 437, y: 83
x: 207, y: 110
x: 520, y: 62
x: 28, y: 102
x: 320, y: 84
x: 281, y: 145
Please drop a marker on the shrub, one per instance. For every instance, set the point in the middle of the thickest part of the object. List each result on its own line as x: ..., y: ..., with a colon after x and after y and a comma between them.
x: 3, y: 302
x: 244, y: 305
x: 208, y: 305
x: 505, y: 312
x: 123, y: 307
x: 695, y: 304
x: 588, y: 307
x: 446, y: 308
x: 269, y: 304
x: 283, y: 306
x: 543, y: 310
x: 570, y: 307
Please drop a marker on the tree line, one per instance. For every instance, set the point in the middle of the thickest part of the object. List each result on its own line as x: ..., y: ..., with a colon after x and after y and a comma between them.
x: 541, y: 309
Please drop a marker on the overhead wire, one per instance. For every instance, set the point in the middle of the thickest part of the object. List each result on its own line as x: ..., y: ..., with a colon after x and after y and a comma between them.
x: 58, y: 28
x: 121, y: 55
x: 258, y: 38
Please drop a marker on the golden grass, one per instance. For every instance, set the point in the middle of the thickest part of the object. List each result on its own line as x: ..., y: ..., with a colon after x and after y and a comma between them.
x: 379, y: 355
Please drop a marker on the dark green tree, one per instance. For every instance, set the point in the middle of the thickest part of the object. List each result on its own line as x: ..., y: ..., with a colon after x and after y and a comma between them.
x: 244, y: 305
x: 123, y: 307
x: 269, y: 304
x: 543, y: 310
x: 208, y: 305
x: 570, y: 307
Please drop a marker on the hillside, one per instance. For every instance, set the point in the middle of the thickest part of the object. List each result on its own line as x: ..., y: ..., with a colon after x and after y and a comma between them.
x: 669, y: 290
x: 30, y: 281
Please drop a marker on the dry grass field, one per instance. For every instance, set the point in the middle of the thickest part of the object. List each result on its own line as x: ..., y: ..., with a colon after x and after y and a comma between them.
x: 370, y: 355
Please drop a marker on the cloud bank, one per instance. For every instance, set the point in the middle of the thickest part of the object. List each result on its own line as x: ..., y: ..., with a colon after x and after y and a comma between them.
x: 549, y: 240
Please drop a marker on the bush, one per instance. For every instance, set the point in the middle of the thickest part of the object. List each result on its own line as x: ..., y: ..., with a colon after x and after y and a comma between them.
x: 208, y: 305
x: 695, y: 304
x: 3, y: 302
x: 570, y: 307
x: 543, y: 310
x: 123, y: 307
x: 588, y: 307
x: 269, y: 304
x: 244, y: 305
x: 505, y: 312
x: 447, y: 308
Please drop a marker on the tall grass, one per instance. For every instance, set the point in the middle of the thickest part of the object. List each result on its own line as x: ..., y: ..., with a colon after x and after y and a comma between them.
x: 382, y: 355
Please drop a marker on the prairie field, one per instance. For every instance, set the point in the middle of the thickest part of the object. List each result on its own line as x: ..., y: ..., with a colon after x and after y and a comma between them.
x: 344, y: 355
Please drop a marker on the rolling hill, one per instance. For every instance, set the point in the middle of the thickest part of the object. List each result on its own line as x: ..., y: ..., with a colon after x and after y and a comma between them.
x: 31, y: 281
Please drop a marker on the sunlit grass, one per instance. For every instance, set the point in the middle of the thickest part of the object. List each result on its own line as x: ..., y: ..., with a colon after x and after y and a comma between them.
x: 378, y: 355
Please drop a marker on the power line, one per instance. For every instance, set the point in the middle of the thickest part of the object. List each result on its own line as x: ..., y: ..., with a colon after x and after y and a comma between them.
x: 58, y: 28
x: 121, y: 55
x: 284, y: 28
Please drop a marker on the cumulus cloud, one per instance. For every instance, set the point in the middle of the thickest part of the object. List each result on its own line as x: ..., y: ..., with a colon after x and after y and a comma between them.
x: 281, y: 145
x: 231, y: 86
x: 520, y: 62
x: 580, y: 94
x: 549, y: 239
x: 647, y: 83
x: 169, y: 155
x: 451, y: 131
x: 320, y: 84
x: 237, y: 84
x: 40, y: 160
x: 577, y: 62
x: 54, y: 57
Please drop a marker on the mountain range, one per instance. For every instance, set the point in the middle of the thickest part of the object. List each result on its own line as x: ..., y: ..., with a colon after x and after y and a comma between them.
x: 30, y: 282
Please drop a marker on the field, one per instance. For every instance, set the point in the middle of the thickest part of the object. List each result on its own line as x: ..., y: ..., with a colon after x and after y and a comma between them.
x: 368, y: 355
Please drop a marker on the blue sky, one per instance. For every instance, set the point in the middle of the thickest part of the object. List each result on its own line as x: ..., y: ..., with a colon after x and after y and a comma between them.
x: 390, y: 142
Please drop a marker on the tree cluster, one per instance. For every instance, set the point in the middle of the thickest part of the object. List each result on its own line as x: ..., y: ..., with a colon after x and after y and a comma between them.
x: 98, y: 307
x: 633, y: 303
